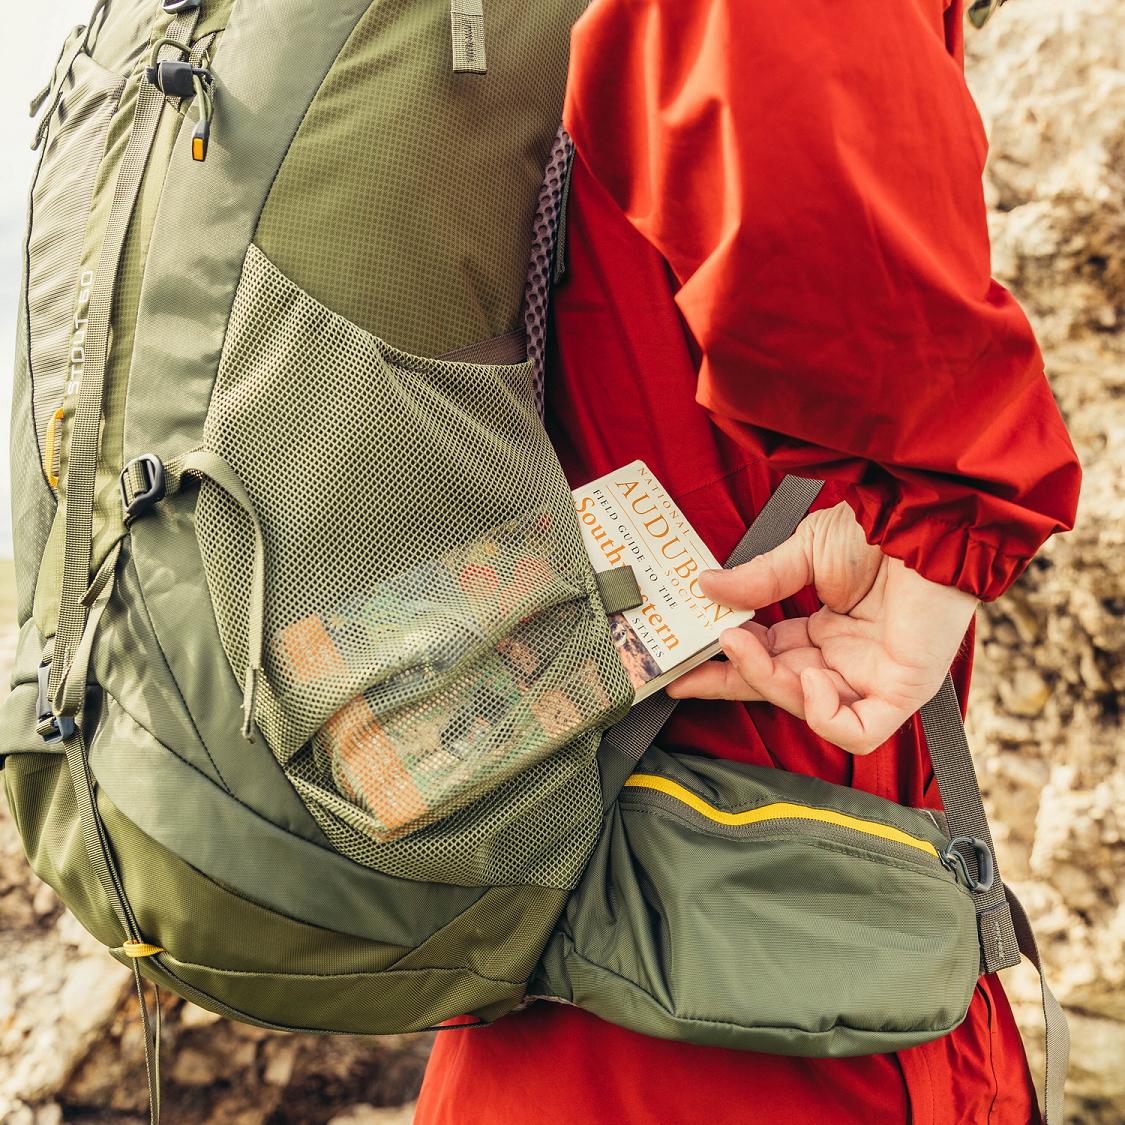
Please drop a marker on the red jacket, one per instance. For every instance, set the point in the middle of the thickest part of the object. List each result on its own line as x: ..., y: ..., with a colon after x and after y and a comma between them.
x: 779, y: 262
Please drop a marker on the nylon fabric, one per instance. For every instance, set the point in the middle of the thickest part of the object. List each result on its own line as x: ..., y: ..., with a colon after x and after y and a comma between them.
x: 267, y: 81
x: 246, y: 853
x: 438, y: 256
x: 165, y: 605
x: 802, y: 942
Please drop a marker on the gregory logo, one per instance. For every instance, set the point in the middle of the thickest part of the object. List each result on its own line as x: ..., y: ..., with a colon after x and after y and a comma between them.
x: 78, y: 334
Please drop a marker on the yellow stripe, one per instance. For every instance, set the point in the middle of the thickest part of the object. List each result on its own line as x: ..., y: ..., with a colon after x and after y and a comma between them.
x: 779, y: 810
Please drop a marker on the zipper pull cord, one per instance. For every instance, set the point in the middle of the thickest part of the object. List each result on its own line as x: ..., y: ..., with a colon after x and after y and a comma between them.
x: 180, y: 78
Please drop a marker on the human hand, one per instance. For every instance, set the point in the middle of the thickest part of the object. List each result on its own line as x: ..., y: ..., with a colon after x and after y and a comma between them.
x: 859, y: 667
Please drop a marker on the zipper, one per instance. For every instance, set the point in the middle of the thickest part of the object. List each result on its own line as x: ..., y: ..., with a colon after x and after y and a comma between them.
x: 786, y: 818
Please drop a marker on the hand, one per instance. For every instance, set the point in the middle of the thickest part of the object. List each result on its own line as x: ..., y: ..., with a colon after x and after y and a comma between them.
x: 859, y: 667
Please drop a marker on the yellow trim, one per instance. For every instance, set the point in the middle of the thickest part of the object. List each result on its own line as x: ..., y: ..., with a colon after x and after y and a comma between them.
x: 779, y: 810
x: 49, y: 447
x: 141, y: 949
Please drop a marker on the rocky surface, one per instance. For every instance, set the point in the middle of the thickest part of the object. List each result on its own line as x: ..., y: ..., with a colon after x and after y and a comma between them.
x: 1046, y: 706
x: 1045, y: 714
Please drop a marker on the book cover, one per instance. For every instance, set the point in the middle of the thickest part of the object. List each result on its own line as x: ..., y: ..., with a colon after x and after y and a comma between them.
x: 628, y: 519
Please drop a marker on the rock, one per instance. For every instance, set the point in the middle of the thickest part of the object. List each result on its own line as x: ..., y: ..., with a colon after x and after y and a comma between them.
x: 192, y: 1016
x: 194, y: 1068
x: 45, y: 901
x: 1045, y: 710
x: 371, y: 1115
x: 281, y: 1057
x: 1025, y: 694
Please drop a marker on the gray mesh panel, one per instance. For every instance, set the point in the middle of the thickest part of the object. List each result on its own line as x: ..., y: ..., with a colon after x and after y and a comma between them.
x: 438, y: 665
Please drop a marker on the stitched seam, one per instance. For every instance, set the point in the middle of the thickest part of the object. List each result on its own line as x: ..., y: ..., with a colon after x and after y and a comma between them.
x: 944, y: 1030
x: 171, y: 675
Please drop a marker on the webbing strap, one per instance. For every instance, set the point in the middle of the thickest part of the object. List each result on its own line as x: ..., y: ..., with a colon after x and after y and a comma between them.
x: 1056, y: 1043
x: 964, y: 811
x: 466, y: 18
x: 624, y: 744
x: 618, y: 589
x: 82, y: 449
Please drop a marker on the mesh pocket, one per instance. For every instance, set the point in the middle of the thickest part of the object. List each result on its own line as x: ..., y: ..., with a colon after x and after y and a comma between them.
x: 433, y: 635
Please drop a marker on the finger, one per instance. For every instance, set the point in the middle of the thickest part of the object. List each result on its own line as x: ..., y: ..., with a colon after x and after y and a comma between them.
x: 766, y: 579
x: 859, y: 727
x: 774, y: 680
x: 792, y: 633
x: 717, y: 679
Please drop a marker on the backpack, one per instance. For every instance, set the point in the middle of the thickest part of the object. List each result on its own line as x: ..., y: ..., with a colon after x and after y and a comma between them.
x: 316, y: 717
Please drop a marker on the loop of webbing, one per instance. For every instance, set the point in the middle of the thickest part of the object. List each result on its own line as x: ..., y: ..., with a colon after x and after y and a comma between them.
x: 70, y: 696
x: 150, y: 1026
x: 206, y: 464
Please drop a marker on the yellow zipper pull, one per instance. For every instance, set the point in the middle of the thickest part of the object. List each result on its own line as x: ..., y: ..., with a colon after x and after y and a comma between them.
x: 52, y: 449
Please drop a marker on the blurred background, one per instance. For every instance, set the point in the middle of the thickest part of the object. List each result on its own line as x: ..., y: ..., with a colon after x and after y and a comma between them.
x: 1045, y: 715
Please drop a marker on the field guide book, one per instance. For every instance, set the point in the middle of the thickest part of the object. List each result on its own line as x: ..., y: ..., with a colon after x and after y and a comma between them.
x: 628, y: 519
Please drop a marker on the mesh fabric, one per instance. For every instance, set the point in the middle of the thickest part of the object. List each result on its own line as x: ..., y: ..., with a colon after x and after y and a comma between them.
x: 406, y: 200
x: 438, y: 665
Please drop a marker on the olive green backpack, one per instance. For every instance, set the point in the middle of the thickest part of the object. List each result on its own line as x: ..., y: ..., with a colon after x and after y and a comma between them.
x: 316, y: 718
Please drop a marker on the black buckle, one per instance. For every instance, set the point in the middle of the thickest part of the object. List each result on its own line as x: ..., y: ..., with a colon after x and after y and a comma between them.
x: 986, y: 865
x: 49, y: 726
x: 174, y: 78
x: 153, y: 492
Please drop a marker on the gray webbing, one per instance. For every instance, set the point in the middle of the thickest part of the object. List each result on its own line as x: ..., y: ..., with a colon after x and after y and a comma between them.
x: 964, y: 810
x: 1002, y: 924
x: 634, y: 734
x: 1056, y: 1043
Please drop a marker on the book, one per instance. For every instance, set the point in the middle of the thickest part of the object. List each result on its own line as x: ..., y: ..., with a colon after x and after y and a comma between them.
x: 628, y: 519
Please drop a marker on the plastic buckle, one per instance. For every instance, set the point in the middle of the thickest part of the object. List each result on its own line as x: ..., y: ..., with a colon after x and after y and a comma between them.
x: 986, y: 865
x: 49, y: 726
x: 152, y: 469
x: 172, y: 7
x: 174, y: 78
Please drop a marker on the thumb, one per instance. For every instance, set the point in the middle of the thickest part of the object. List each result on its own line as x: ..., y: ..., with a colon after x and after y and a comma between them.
x: 777, y: 574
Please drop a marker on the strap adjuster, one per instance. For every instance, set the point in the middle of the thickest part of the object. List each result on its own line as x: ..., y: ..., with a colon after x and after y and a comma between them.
x: 142, y: 485
x: 49, y: 726
x: 986, y: 865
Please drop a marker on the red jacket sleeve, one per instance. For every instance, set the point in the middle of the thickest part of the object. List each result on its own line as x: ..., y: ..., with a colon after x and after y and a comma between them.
x: 812, y: 175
